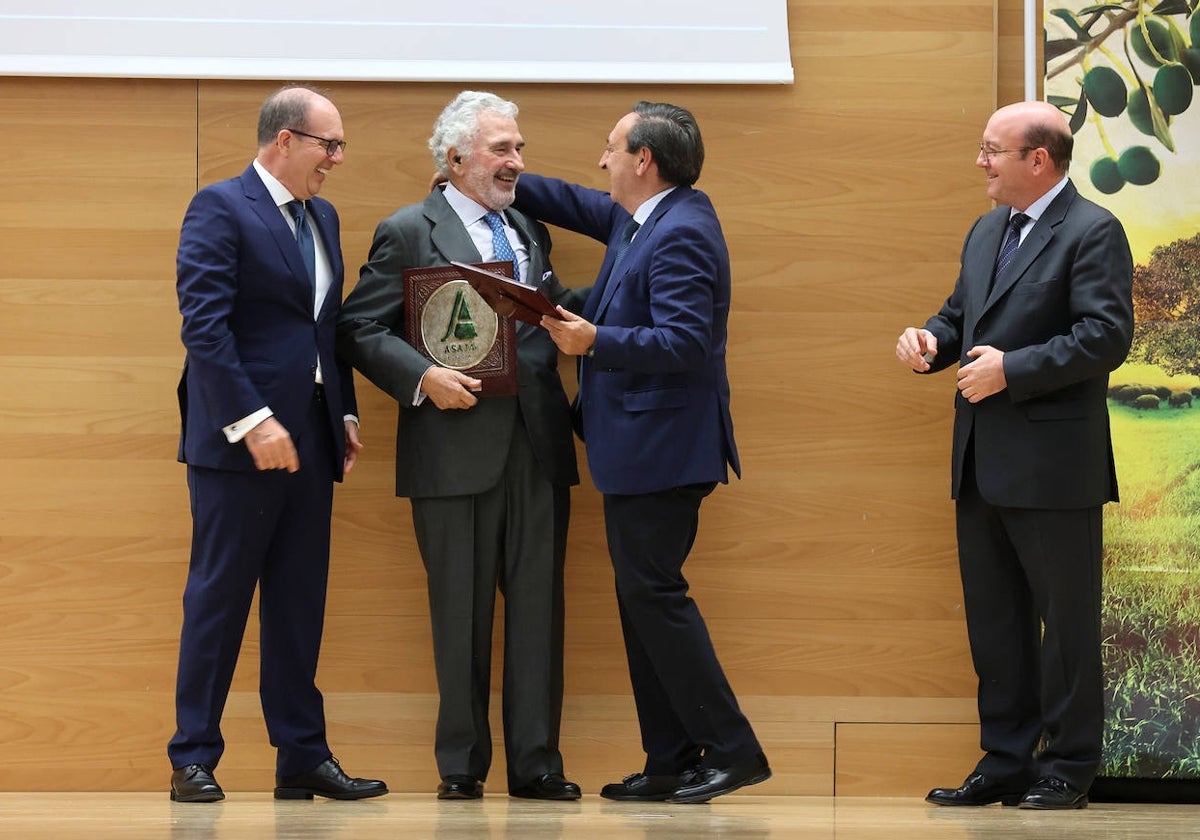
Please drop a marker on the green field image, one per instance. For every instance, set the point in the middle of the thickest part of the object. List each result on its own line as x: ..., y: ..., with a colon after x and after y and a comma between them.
x: 1151, y: 614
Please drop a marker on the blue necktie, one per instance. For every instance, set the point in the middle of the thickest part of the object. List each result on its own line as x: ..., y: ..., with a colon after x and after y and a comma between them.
x: 304, y: 239
x: 627, y: 232
x: 500, y: 243
x: 1009, y: 249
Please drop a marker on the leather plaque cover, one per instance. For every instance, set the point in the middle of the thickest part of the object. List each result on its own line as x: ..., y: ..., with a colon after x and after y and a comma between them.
x: 449, y: 323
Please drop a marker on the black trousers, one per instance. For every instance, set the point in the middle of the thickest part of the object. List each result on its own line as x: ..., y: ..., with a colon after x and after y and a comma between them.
x: 1031, y: 588
x: 686, y: 709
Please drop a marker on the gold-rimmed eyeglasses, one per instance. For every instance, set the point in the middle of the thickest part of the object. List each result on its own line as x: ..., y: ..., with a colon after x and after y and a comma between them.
x: 988, y: 152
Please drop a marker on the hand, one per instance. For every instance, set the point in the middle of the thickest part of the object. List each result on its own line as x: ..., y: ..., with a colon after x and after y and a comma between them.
x: 912, y: 347
x: 574, y: 336
x: 449, y: 388
x: 984, y: 376
x: 353, y: 447
x: 271, y: 447
x: 437, y: 180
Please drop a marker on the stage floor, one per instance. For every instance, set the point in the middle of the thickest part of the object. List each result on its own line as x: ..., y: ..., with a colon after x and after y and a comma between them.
x: 249, y: 816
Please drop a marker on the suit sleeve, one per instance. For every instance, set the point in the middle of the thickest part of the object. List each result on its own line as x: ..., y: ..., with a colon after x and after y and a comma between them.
x: 371, y: 322
x: 206, y: 284
x: 1101, y: 313
x: 569, y: 206
x: 947, y: 324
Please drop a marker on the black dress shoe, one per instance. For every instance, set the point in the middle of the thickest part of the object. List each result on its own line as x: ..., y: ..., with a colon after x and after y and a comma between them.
x: 195, y: 783
x: 639, y: 787
x: 710, y: 782
x: 978, y: 789
x: 329, y: 780
x: 460, y: 787
x: 1054, y: 794
x: 548, y: 786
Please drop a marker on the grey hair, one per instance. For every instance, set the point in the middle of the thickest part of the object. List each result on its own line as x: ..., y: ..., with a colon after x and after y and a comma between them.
x: 459, y: 123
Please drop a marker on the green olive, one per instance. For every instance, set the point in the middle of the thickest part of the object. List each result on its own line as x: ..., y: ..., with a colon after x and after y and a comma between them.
x: 1139, y: 111
x: 1160, y: 36
x: 1106, y: 91
x: 1138, y: 165
x: 1106, y: 175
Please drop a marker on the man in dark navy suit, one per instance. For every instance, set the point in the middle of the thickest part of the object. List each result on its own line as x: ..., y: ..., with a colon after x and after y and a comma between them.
x: 1041, y: 313
x: 268, y: 426
x: 654, y: 408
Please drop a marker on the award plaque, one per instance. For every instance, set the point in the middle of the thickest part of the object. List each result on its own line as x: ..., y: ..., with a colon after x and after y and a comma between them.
x: 508, y: 297
x: 450, y: 324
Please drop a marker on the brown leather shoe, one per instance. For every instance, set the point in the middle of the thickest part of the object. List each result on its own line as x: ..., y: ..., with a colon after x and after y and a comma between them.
x: 195, y: 783
x: 978, y: 789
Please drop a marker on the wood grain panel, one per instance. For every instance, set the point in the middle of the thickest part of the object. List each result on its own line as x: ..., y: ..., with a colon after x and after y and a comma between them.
x: 877, y: 759
x: 827, y: 574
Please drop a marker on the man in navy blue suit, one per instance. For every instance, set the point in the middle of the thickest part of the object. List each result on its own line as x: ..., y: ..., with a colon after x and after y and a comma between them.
x: 654, y: 412
x: 268, y: 426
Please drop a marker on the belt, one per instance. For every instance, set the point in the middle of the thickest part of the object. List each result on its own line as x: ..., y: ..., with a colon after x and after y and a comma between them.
x: 319, y: 392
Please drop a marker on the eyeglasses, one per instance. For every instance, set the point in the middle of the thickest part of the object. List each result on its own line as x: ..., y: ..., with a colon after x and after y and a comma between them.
x: 331, y: 146
x: 988, y: 153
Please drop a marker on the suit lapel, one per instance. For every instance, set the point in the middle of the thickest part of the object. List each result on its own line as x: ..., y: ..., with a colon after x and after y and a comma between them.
x: 265, y: 208
x: 632, y: 256
x: 1035, y: 242
x: 450, y: 239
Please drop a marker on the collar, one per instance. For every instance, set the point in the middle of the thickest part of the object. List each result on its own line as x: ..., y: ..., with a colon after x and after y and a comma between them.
x: 1035, y: 210
x: 646, y: 208
x: 279, y: 193
x: 468, y: 209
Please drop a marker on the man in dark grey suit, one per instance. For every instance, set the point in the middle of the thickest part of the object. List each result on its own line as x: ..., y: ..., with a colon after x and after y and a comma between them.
x: 489, y: 479
x: 1039, y: 316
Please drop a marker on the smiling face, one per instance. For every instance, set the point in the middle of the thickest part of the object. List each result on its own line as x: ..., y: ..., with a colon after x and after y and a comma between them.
x: 302, y: 162
x: 622, y: 165
x: 488, y: 171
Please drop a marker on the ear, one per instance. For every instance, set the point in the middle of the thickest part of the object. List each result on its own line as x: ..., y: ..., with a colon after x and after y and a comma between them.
x: 645, y: 159
x: 454, y: 160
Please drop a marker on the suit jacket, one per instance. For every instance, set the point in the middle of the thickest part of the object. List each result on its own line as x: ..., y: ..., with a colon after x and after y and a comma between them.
x: 654, y: 396
x: 1063, y: 315
x: 455, y: 453
x: 247, y: 307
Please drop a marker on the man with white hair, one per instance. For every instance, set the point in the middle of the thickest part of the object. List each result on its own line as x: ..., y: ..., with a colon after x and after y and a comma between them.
x: 489, y: 479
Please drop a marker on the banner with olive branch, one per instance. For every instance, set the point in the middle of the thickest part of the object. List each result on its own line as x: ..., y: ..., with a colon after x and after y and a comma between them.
x: 1125, y: 74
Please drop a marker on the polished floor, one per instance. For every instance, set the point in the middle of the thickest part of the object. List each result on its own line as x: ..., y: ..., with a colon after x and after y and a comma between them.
x: 245, y: 816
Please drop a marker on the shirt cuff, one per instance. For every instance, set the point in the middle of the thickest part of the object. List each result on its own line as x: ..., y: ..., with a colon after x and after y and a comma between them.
x: 237, y: 430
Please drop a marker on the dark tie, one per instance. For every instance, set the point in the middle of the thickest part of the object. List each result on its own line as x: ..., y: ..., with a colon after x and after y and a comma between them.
x: 627, y: 232
x: 1009, y: 249
x: 304, y: 239
x: 500, y: 243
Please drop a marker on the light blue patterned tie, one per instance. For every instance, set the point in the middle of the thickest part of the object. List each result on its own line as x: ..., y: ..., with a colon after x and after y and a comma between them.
x: 1009, y: 249
x: 304, y: 239
x: 500, y: 243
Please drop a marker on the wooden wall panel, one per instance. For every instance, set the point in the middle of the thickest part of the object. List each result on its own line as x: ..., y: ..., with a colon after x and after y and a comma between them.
x: 827, y: 573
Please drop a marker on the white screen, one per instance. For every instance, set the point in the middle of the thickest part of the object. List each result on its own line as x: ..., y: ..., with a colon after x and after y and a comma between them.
x: 468, y: 40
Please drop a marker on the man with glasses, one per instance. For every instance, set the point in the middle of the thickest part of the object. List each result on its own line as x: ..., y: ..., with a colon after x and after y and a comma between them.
x: 488, y: 478
x: 268, y: 427
x: 1040, y: 314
